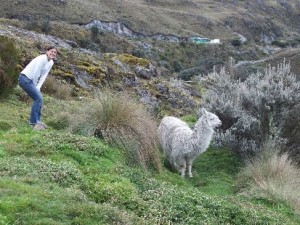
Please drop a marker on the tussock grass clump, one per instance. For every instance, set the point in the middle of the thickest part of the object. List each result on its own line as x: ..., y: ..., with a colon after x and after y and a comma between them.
x: 56, y: 88
x: 122, y: 122
x: 272, y: 176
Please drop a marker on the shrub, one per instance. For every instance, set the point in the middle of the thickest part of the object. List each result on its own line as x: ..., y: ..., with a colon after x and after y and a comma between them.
x: 46, y: 27
x: 236, y: 42
x: 57, y: 88
x: 9, y: 57
x: 32, y: 25
x: 137, y: 52
x: 281, y: 44
x: 89, y: 44
x: 254, y: 110
x: 94, y: 33
x: 271, y: 175
x: 204, y: 67
x: 177, y: 66
x: 122, y: 122
x: 187, y: 74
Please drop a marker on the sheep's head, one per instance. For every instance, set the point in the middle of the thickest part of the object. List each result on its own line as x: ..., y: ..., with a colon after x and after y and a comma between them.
x: 212, y: 119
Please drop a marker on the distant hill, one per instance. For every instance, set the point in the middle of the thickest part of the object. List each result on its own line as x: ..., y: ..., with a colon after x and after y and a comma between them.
x: 262, y: 21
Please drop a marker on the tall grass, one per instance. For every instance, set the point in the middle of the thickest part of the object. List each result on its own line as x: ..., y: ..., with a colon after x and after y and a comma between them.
x: 273, y: 176
x: 122, y: 122
x: 57, y: 88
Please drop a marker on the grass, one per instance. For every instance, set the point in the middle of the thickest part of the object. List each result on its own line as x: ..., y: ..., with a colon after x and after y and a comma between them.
x: 273, y: 176
x: 55, y: 177
x: 216, y: 171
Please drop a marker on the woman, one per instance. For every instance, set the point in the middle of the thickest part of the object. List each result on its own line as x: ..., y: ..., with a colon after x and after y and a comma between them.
x: 31, y: 80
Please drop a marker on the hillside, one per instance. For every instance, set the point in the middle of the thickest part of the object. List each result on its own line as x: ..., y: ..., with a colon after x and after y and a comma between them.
x: 262, y: 21
x: 55, y: 177
x: 92, y: 167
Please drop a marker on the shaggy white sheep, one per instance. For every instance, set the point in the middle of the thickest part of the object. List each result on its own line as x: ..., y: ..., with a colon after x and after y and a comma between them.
x: 181, y: 144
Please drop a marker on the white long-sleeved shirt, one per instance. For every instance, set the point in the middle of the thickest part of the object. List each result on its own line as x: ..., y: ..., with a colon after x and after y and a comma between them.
x: 37, y: 70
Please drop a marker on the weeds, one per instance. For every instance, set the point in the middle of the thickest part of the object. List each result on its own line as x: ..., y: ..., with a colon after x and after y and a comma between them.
x: 273, y: 176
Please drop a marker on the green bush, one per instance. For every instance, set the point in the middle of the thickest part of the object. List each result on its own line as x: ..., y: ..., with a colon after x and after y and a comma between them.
x: 203, y: 67
x: 9, y: 57
x: 94, y: 33
x: 236, y: 42
x: 46, y: 27
x: 281, y: 44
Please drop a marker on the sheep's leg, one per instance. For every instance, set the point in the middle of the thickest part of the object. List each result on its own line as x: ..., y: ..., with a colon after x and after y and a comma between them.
x: 182, y: 171
x: 189, y: 166
x: 182, y: 168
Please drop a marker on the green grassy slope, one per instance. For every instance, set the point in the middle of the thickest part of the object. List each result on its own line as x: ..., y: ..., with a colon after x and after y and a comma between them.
x: 54, y: 177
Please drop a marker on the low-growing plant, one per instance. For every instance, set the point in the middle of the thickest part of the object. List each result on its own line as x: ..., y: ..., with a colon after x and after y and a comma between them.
x: 9, y: 57
x: 107, y: 188
x: 62, y: 173
x: 5, y: 125
x: 187, y: 206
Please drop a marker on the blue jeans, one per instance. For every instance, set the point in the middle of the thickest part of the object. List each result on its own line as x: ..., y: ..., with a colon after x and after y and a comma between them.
x: 27, y: 85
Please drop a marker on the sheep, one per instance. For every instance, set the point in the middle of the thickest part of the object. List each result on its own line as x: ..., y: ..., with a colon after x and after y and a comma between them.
x: 181, y: 145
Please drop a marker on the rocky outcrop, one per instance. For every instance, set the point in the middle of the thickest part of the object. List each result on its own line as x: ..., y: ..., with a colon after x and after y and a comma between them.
x: 121, y: 29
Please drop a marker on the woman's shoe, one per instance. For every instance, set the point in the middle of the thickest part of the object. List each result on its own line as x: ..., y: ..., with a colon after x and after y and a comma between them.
x: 40, y: 126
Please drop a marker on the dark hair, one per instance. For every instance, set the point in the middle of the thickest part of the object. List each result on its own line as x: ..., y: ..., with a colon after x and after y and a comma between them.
x: 50, y: 47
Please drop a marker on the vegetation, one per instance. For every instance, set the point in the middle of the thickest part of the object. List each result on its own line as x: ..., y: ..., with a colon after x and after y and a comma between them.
x: 99, y: 161
x: 55, y: 177
x: 253, y: 111
x: 182, y: 18
x: 273, y: 176
x: 123, y: 122
x: 9, y: 57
